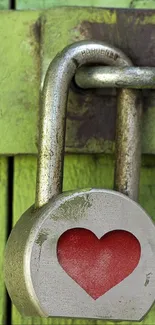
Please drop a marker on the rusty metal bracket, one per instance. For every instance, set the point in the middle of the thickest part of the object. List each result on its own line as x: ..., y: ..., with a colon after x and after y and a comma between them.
x: 92, y: 113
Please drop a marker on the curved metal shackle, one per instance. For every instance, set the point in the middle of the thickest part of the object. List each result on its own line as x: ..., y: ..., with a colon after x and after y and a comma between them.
x: 53, y: 113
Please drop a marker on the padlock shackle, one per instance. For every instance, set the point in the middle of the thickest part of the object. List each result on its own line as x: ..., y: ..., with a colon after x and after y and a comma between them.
x: 53, y: 111
x: 128, y: 142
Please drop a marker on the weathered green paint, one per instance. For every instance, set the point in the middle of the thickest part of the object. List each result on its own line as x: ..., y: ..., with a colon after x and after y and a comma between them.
x: 20, y: 77
x: 43, y: 4
x: 4, y: 4
x: 3, y: 231
x: 82, y: 171
x: 148, y: 20
x: 145, y: 4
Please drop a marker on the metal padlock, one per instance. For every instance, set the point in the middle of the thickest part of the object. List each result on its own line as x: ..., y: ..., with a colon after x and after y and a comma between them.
x: 87, y: 253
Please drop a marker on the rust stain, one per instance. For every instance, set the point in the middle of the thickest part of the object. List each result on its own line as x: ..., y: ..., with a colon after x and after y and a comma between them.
x: 93, y: 112
x: 130, y: 34
x: 96, y: 117
x: 36, y: 28
x: 35, y: 41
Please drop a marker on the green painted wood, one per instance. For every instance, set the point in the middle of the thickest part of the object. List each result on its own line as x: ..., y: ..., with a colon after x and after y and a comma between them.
x: 43, y: 4
x: 19, y: 79
x: 81, y: 171
x: 4, y: 4
x: 3, y: 232
x: 145, y: 4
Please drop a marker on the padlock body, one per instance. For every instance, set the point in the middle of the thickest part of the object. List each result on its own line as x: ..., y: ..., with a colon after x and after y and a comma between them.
x: 86, y: 254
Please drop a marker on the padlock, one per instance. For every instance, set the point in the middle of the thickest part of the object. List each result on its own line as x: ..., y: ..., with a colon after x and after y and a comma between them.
x: 87, y: 253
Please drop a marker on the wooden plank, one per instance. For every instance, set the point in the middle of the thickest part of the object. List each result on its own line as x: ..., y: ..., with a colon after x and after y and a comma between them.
x: 83, y: 171
x: 42, y: 4
x: 3, y: 232
x: 4, y: 4
x: 19, y: 79
x: 145, y: 4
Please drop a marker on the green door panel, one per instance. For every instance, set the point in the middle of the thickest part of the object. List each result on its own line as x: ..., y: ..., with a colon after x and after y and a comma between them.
x: 83, y: 171
x: 19, y: 79
x: 145, y: 4
x: 3, y: 232
x: 43, y: 4
x: 4, y: 4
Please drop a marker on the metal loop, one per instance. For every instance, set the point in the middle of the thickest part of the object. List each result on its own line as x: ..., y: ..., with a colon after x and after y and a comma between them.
x: 53, y: 116
x: 128, y: 77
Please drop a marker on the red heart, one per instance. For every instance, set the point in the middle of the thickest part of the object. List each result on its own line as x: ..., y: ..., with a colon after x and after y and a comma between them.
x: 95, y: 264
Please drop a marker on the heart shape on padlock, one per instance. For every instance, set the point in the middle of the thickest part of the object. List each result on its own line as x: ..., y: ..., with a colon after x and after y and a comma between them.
x: 97, y: 265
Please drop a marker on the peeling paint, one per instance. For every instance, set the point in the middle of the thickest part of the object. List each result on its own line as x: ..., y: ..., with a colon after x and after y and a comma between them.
x: 80, y: 204
x: 42, y: 237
